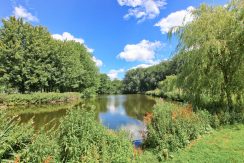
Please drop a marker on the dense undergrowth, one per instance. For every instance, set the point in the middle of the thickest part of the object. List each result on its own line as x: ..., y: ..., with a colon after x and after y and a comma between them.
x: 80, y: 138
x: 171, y: 128
x: 37, y: 98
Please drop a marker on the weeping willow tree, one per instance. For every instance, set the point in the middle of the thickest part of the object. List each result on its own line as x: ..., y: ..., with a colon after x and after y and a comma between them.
x: 211, y: 49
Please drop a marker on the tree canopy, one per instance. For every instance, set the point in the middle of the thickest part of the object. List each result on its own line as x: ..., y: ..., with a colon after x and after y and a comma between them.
x: 31, y: 60
x: 211, y: 49
x: 144, y: 79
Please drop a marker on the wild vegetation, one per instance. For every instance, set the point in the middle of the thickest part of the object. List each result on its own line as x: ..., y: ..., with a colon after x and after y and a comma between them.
x: 207, y: 72
x: 172, y: 128
x: 79, y: 138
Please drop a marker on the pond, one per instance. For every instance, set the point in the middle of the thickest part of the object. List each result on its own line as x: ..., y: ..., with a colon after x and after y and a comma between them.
x: 116, y: 112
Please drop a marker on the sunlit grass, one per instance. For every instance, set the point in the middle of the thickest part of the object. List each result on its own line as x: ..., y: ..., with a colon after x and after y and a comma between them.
x: 223, y: 145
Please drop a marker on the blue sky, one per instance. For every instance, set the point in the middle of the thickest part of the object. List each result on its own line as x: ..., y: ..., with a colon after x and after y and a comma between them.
x: 121, y: 34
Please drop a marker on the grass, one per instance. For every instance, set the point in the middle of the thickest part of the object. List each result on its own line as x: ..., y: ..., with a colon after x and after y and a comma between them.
x: 223, y: 145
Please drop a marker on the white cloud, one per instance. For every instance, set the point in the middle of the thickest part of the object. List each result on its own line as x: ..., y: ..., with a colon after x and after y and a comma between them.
x: 144, y: 51
x: 113, y: 74
x: 69, y: 37
x: 21, y: 12
x: 146, y: 65
x: 142, y: 9
x: 98, y: 62
x: 90, y: 50
x: 141, y: 66
x: 175, y: 19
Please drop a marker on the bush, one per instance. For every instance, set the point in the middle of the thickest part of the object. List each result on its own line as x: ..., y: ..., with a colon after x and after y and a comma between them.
x: 43, y: 148
x: 82, y: 139
x: 88, y: 93
x: 172, y: 128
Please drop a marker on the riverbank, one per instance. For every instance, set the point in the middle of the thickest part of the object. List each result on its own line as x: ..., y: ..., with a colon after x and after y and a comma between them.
x: 8, y: 100
x: 222, y: 145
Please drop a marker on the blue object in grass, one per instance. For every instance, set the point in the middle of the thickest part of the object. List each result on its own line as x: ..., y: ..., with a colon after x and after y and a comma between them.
x: 137, y: 143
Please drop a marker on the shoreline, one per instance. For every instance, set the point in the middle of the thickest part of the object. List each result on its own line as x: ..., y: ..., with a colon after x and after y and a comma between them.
x: 12, y: 100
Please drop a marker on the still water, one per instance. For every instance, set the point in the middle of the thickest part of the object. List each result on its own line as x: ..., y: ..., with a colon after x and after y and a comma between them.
x: 116, y: 112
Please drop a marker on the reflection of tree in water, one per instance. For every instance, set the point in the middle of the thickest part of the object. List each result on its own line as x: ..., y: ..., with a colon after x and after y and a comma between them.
x: 137, y: 105
x: 100, y: 103
x: 44, y: 119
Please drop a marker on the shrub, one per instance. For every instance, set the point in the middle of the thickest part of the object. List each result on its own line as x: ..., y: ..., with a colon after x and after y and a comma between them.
x: 172, y: 128
x: 88, y: 93
x: 44, y: 147
x: 82, y: 139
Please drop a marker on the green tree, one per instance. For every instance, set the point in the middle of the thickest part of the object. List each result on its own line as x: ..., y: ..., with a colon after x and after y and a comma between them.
x: 23, y: 50
x: 211, y: 48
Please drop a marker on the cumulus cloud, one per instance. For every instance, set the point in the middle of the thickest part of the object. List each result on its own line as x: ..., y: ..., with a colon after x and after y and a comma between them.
x: 142, y: 9
x: 144, y: 51
x: 113, y: 74
x: 175, y: 19
x: 21, y: 12
x: 146, y: 65
x: 69, y: 37
x: 98, y: 62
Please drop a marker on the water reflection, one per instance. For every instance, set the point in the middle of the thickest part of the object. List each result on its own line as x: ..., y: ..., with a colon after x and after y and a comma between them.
x: 126, y: 112
x: 113, y: 111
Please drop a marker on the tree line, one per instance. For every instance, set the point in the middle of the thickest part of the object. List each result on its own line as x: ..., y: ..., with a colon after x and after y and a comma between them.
x: 140, y: 80
x: 31, y: 61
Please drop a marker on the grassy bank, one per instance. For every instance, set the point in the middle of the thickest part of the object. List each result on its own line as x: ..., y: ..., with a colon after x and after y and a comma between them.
x: 37, y: 98
x: 178, y: 134
x: 223, y: 145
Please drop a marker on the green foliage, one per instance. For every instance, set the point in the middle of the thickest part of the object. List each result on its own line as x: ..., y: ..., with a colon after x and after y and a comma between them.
x: 44, y: 147
x: 172, y: 128
x: 37, y: 98
x: 168, y: 89
x: 145, y: 79
x: 108, y: 86
x: 212, y: 56
x: 31, y: 61
x: 13, y: 137
x: 82, y: 139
